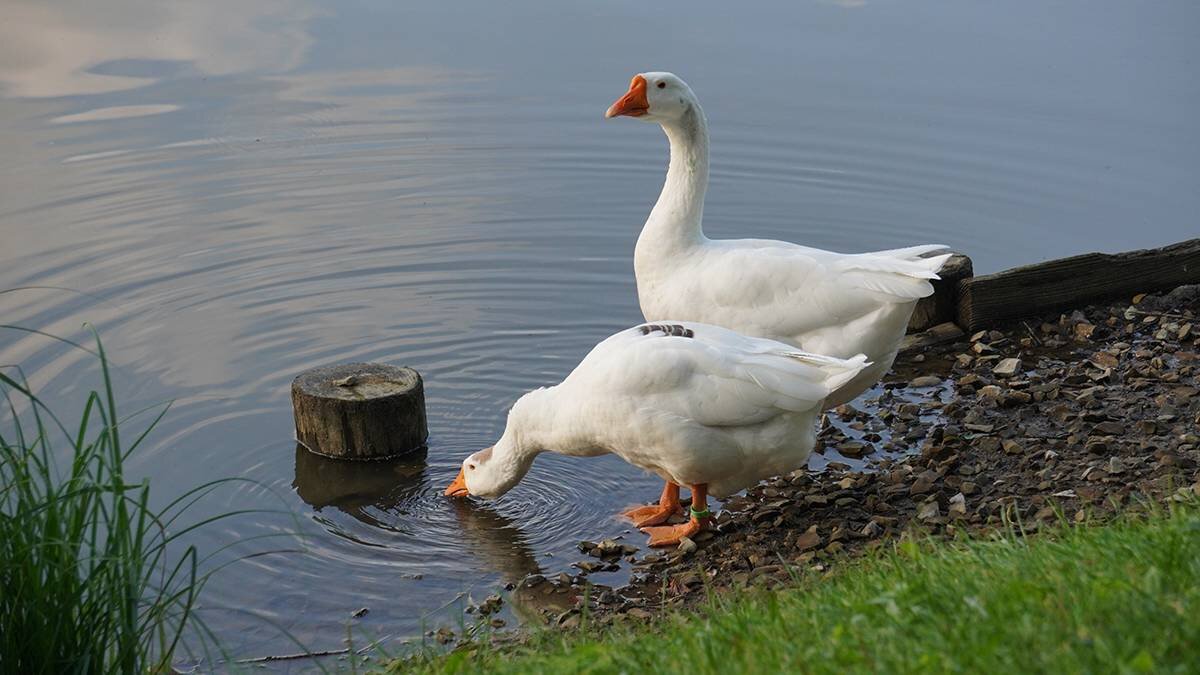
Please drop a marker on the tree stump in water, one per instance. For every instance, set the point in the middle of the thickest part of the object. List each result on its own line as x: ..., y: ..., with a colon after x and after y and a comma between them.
x: 360, y: 411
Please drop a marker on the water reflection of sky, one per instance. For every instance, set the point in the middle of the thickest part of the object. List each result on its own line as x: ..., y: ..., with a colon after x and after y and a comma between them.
x: 248, y: 189
x: 77, y: 47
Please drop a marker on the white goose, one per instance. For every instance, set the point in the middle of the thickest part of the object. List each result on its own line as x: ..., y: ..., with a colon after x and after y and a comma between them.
x: 819, y: 301
x: 694, y: 404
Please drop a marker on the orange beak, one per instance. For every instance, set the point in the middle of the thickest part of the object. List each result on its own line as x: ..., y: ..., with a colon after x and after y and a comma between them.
x: 459, y: 487
x: 633, y: 103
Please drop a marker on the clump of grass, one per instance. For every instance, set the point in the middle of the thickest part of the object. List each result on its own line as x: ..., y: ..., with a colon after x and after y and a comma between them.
x: 1123, y: 597
x: 92, y: 578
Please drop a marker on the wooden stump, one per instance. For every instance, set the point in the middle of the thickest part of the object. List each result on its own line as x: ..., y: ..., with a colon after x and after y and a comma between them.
x: 360, y: 411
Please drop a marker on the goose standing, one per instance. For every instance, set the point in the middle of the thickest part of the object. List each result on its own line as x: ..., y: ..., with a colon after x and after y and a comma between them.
x: 819, y: 301
x: 695, y: 404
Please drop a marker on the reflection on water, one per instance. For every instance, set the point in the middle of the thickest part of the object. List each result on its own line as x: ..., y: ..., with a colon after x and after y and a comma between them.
x: 351, y: 486
x: 76, y: 47
x: 246, y: 190
x: 381, y: 493
x: 496, y: 539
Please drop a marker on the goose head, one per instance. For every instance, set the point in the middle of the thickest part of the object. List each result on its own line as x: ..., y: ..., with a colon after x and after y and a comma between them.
x: 481, y: 475
x: 655, y: 97
x: 493, y: 471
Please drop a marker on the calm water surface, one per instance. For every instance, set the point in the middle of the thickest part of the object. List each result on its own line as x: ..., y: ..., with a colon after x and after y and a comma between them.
x: 248, y: 189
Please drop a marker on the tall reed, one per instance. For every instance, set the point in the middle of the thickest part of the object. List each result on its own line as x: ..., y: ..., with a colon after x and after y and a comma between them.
x: 93, y: 579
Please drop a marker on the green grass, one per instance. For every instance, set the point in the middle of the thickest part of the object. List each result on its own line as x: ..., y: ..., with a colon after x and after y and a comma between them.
x: 1124, y: 597
x: 92, y: 578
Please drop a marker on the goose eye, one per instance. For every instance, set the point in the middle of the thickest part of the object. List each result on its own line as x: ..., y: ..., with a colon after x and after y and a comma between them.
x: 470, y: 467
x: 662, y: 85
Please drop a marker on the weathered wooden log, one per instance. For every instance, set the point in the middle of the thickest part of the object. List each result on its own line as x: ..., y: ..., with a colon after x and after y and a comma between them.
x: 360, y: 411
x: 1071, y: 282
x: 942, y: 306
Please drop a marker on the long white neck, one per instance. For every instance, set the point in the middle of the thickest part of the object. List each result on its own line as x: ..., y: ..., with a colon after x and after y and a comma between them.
x: 674, y: 223
x: 538, y: 423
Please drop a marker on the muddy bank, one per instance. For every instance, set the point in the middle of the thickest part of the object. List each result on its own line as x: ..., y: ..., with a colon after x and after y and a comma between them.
x: 1080, y: 413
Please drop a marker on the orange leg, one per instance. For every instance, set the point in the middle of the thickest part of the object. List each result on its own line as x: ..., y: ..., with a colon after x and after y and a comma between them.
x: 671, y: 535
x: 656, y: 514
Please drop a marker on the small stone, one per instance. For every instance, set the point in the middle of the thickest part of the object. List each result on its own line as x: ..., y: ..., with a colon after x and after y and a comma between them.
x: 809, y: 540
x: 1007, y: 367
x: 987, y: 443
x: 1044, y: 513
x: 958, y: 506
x: 1014, y: 398
x: 872, y: 529
x: 854, y: 449
x: 924, y: 482
x: 687, y: 546
x: 1115, y: 465
x: 926, y: 381
x: 928, y: 511
x: 1011, y: 447
x: 1083, y: 331
x: 607, y: 548
x: 989, y: 391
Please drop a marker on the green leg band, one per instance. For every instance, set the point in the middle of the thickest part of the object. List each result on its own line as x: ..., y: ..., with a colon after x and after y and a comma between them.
x: 701, y: 514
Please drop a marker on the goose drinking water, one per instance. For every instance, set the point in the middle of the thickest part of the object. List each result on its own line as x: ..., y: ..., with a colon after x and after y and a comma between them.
x: 695, y: 404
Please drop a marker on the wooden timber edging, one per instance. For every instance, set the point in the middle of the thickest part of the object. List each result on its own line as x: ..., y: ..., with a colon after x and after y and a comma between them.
x: 975, y: 302
x: 1073, y: 282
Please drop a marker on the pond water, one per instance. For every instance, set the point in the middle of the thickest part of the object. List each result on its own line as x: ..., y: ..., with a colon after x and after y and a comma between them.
x: 233, y: 192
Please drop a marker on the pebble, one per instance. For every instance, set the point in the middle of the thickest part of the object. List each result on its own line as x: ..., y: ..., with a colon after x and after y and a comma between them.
x: 1007, y: 367
x: 958, y: 506
x: 928, y: 511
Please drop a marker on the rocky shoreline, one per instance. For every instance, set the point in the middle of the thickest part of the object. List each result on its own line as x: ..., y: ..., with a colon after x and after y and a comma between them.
x: 1074, y: 416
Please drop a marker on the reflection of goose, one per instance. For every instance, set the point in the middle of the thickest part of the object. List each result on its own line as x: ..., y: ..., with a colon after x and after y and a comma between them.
x: 353, y: 486
x: 502, y: 546
x: 694, y: 404
x: 823, y: 302
x: 497, y: 540
x: 361, y: 488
